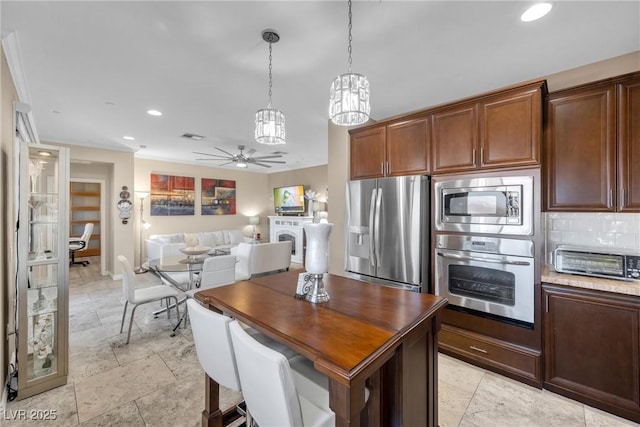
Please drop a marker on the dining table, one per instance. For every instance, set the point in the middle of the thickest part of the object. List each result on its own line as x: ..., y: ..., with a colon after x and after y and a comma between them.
x: 366, y: 336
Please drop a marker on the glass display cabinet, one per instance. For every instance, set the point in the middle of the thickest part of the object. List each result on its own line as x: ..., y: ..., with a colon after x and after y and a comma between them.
x: 43, y: 268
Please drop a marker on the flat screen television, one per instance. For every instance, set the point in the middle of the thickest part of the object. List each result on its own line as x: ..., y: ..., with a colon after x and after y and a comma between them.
x: 289, y: 200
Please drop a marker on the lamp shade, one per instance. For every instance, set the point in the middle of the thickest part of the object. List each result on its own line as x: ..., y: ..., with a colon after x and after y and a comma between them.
x: 254, y: 220
x: 142, y: 194
x: 349, y: 100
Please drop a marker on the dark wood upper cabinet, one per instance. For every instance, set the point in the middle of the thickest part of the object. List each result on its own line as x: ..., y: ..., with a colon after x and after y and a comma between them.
x: 408, y: 147
x: 500, y: 130
x: 592, y: 147
x: 455, y: 135
x: 367, y: 152
x: 511, y: 128
x: 580, y: 150
x: 393, y: 149
x: 629, y: 146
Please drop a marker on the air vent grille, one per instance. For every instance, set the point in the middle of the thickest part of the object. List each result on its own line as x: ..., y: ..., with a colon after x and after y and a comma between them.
x: 192, y: 136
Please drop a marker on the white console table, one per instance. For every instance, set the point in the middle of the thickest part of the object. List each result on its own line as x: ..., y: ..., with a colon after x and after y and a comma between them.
x: 290, y: 228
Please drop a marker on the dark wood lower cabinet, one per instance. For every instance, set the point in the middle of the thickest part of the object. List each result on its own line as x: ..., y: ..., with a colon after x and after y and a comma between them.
x: 591, y: 348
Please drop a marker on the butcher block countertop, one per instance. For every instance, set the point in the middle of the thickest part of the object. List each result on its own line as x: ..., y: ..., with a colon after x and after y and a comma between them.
x: 549, y: 275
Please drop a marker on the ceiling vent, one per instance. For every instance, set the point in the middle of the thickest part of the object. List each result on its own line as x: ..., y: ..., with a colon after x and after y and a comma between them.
x: 193, y: 136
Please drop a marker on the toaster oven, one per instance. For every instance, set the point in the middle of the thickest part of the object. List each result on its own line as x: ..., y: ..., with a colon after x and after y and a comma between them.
x: 597, y: 262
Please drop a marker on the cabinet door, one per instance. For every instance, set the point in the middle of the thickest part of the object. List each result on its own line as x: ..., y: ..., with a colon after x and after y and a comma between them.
x: 580, y: 150
x: 43, y: 276
x: 629, y: 147
x: 591, y: 347
x: 408, y: 145
x: 455, y: 135
x: 367, y: 152
x: 510, y: 129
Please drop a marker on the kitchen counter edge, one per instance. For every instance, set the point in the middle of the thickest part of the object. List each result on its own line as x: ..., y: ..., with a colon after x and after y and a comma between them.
x: 549, y: 275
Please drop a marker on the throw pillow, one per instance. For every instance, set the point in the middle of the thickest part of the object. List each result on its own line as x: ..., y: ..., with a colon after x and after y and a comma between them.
x: 207, y: 239
x: 191, y: 239
x: 235, y: 237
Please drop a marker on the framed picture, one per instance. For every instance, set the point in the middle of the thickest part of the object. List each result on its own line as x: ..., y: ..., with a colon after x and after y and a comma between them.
x: 218, y: 197
x: 172, y: 195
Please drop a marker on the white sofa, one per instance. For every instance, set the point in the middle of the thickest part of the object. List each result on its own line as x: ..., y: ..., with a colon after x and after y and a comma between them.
x: 261, y: 258
x: 166, y: 245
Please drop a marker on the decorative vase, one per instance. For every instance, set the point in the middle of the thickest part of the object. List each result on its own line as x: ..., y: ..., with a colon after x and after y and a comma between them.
x: 317, y: 259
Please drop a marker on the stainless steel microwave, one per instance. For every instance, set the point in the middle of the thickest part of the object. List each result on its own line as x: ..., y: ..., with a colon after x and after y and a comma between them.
x: 496, y: 205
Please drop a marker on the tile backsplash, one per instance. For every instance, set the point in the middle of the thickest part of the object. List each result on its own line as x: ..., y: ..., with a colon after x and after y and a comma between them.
x: 605, y: 230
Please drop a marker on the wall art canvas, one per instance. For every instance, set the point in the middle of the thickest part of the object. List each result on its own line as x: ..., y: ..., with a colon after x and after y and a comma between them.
x: 172, y: 195
x: 218, y: 197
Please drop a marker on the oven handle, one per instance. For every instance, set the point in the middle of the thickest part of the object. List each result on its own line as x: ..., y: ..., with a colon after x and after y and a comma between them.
x: 494, y: 261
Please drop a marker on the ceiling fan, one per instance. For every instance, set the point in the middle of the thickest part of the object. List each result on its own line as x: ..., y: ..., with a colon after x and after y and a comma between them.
x: 242, y: 160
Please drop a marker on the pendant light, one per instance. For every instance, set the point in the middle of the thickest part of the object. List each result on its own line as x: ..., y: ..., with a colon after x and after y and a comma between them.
x: 269, y: 121
x: 349, y: 95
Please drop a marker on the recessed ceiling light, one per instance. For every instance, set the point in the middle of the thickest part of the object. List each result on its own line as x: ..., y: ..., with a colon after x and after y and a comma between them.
x: 536, y: 11
x: 128, y: 138
x: 154, y: 113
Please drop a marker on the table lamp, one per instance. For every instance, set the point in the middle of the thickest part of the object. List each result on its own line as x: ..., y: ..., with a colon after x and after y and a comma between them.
x: 254, y: 220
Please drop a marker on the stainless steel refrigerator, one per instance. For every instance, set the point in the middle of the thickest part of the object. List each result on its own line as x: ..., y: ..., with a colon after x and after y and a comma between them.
x: 387, y: 231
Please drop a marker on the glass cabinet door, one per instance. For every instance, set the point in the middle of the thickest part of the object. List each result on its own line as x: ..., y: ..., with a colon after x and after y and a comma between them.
x: 43, y: 269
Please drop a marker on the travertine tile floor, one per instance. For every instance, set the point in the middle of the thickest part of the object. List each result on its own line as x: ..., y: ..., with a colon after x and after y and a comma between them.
x: 156, y: 380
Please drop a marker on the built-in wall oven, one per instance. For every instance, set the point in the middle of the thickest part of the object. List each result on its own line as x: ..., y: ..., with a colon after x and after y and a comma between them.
x: 485, y: 275
x: 485, y: 204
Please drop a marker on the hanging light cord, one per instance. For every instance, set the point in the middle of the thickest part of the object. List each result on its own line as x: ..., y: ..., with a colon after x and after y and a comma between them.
x: 270, y: 85
x: 350, y: 37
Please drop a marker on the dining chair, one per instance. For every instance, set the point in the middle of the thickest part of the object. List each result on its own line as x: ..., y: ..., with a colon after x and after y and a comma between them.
x: 143, y: 295
x: 271, y: 389
x: 77, y: 244
x: 216, y: 271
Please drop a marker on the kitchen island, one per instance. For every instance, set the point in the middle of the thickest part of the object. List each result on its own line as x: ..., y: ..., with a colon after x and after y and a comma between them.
x: 366, y: 335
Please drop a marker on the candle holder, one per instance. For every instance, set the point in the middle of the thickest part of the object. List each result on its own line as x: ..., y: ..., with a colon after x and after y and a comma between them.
x: 317, y: 259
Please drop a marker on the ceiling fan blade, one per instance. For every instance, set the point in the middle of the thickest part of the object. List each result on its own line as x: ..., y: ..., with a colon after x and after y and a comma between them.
x: 226, y: 152
x: 273, y: 161
x: 226, y: 163
x: 207, y: 154
x: 260, y: 164
x: 267, y: 157
x: 251, y: 151
x: 214, y: 160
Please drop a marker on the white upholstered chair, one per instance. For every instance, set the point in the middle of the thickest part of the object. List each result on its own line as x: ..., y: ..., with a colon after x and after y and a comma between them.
x: 272, y: 389
x: 77, y: 244
x: 142, y: 295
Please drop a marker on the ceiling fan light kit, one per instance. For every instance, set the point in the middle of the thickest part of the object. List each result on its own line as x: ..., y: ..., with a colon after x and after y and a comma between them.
x: 349, y: 94
x: 270, y: 124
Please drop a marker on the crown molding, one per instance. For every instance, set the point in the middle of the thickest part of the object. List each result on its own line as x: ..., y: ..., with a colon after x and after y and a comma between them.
x: 11, y: 49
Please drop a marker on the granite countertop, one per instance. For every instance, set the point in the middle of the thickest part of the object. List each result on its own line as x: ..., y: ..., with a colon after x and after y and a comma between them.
x: 549, y: 275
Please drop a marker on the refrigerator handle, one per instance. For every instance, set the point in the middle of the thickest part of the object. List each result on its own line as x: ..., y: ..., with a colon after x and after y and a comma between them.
x: 372, y: 228
x: 376, y: 242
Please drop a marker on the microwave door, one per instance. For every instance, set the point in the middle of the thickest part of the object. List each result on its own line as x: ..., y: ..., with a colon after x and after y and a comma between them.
x: 360, y: 258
